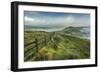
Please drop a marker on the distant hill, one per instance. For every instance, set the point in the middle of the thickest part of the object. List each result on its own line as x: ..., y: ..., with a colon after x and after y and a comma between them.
x: 83, y: 31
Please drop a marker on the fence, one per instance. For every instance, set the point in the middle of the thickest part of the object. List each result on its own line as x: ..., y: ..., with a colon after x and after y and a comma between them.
x: 33, y: 47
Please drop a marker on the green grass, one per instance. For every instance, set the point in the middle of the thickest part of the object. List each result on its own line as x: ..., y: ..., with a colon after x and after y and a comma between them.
x: 32, y: 35
x: 60, y: 47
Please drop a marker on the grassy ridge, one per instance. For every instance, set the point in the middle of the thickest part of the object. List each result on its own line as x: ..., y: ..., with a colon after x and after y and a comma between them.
x: 60, y: 47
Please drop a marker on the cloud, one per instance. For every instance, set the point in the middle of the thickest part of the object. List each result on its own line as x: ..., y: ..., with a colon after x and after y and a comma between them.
x: 41, y: 20
x: 29, y: 19
x: 34, y: 21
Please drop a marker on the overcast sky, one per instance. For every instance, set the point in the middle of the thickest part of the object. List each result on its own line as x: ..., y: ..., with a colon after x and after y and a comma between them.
x: 53, y: 21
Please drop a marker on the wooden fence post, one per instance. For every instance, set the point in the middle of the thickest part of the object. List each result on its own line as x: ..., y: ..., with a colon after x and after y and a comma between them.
x: 50, y: 36
x: 36, y: 41
x: 45, y: 40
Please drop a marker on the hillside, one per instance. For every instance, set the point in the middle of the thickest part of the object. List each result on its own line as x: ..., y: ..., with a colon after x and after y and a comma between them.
x: 82, y: 32
x: 62, y: 47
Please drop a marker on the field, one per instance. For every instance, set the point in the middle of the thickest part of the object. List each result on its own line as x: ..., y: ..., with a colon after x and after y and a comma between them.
x: 41, y: 46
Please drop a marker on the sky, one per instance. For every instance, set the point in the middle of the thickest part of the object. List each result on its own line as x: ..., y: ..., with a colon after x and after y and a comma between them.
x: 53, y: 21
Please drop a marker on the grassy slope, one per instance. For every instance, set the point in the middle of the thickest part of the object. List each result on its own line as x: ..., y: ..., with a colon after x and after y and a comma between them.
x: 64, y: 47
x: 32, y: 35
